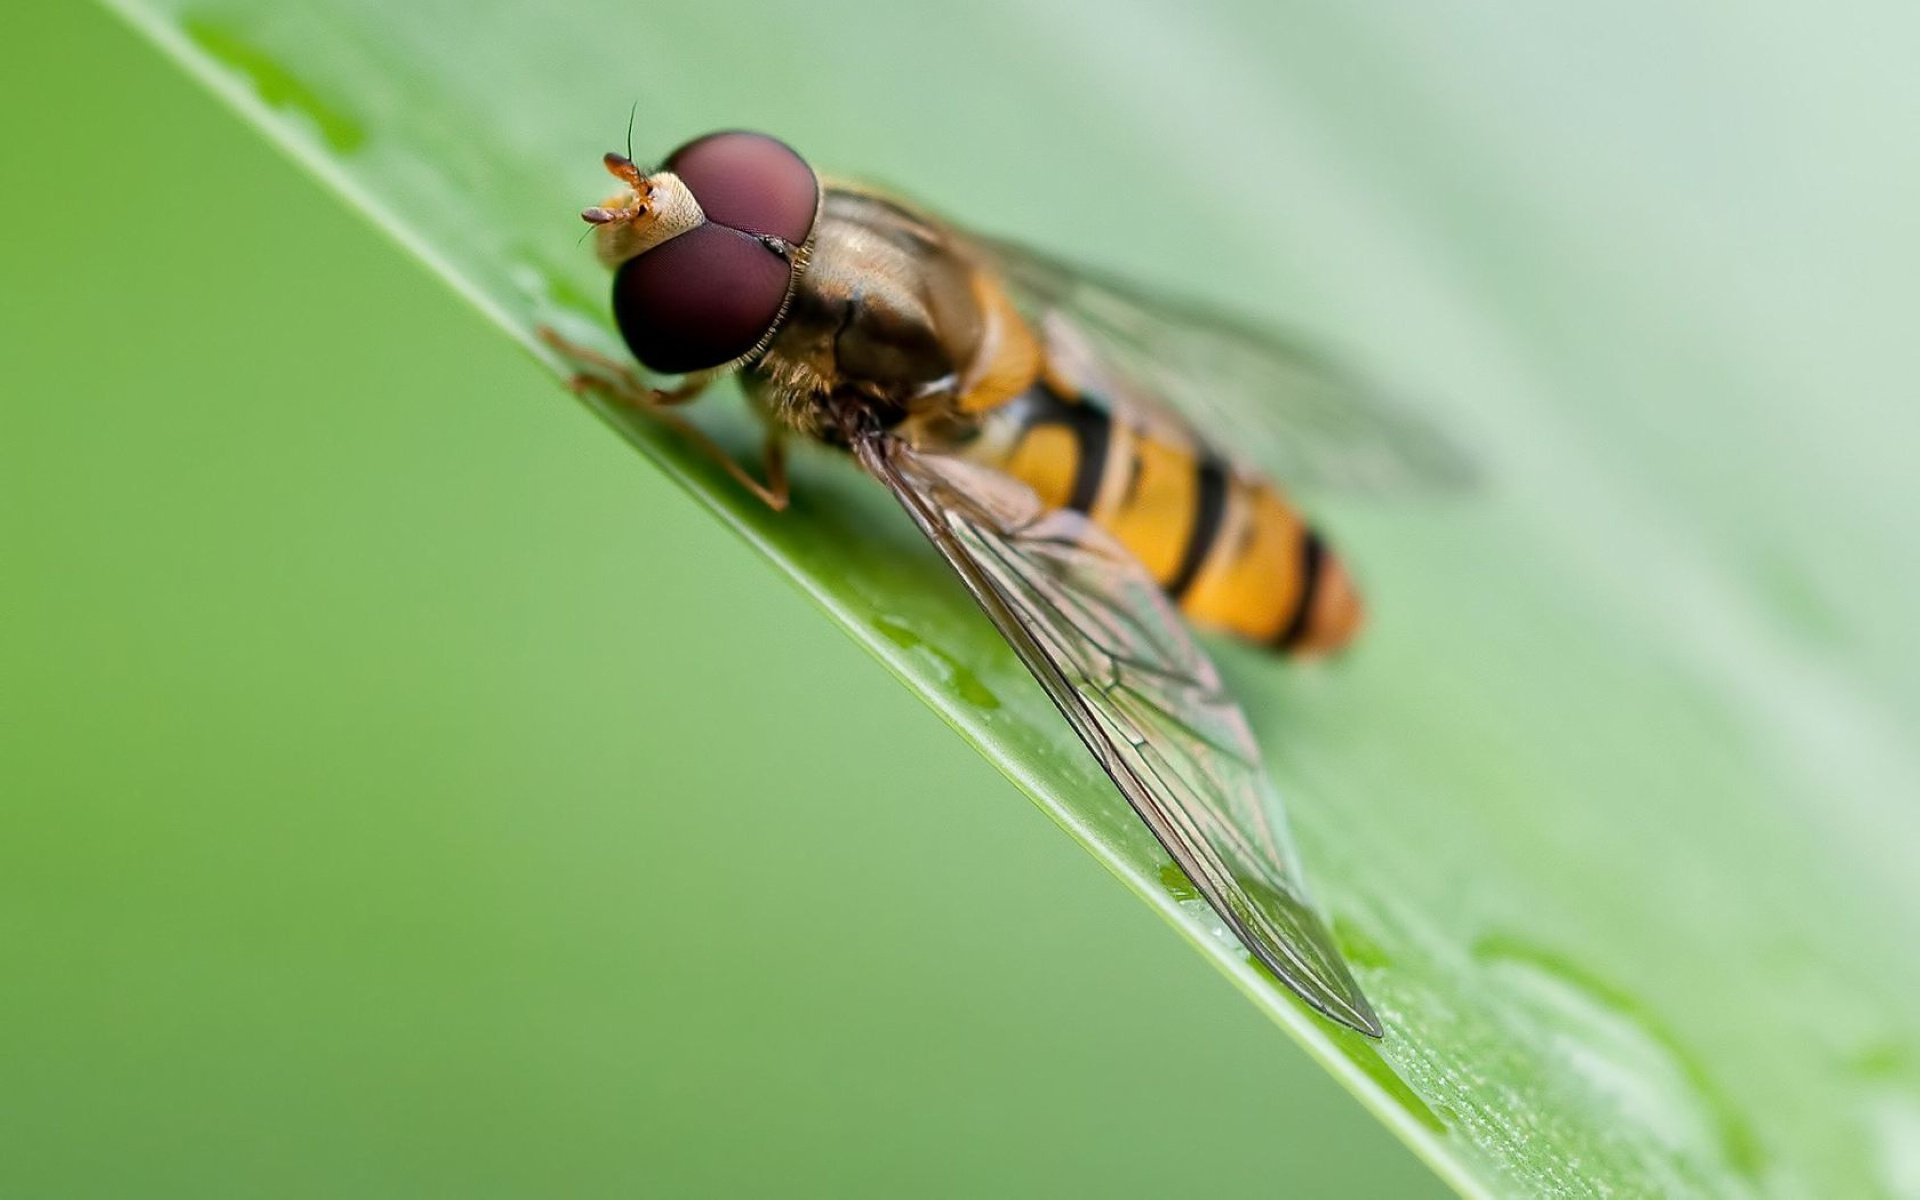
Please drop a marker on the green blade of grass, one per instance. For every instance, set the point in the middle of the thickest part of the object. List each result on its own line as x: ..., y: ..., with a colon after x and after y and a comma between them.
x: 1612, y: 812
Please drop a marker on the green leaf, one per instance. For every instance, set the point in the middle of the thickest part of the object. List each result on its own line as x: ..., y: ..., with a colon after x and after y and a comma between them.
x: 1613, y: 810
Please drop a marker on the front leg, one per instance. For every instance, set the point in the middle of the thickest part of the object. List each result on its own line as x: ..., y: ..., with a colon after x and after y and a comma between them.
x: 619, y: 384
x: 632, y: 391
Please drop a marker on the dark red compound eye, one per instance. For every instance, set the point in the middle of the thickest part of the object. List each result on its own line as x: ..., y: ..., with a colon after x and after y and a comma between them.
x: 699, y: 300
x: 750, y: 181
x: 705, y: 297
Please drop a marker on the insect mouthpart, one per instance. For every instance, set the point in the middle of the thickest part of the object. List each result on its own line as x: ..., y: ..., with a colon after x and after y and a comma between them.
x: 634, y: 201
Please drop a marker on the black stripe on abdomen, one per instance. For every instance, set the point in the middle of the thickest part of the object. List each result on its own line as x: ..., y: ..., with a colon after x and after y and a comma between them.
x: 1092, y: 433
x: 1312, y: 553
x: 1210, y: 508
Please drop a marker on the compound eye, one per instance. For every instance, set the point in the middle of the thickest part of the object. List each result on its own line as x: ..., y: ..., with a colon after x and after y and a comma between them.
x: 699, y: 300
x: 750, y: 181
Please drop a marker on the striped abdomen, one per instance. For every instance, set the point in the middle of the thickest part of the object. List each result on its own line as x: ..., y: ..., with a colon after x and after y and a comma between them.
x: 1229, y: 549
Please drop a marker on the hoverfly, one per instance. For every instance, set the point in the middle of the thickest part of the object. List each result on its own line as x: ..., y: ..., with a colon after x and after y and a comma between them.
x: 1063, y: 440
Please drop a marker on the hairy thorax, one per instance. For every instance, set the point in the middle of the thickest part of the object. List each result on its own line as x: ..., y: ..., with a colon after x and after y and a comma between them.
x: 887, y: 316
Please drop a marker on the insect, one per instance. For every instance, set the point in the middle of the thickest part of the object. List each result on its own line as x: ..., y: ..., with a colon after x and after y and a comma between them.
x: 1061, y: 440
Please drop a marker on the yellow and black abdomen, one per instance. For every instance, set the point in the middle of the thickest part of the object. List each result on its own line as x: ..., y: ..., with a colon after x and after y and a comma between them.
x: 1229, y: 549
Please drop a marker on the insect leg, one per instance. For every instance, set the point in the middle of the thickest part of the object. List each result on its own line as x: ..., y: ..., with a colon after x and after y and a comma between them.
x: 622, y: 375
x: 646, y: 401
x: 776, y: 492
x: 618, y: 383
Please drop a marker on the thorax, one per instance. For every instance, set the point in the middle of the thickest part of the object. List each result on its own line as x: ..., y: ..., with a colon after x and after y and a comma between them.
x: 893, y: 314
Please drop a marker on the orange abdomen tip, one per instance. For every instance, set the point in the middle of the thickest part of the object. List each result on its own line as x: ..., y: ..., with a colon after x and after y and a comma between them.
x: 1333, y: 614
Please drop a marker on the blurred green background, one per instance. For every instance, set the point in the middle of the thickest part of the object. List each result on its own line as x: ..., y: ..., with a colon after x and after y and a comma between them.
x: 406, y: 792
x: 397, y: 770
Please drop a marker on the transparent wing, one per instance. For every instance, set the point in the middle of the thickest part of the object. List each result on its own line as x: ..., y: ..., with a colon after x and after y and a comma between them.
x: 1097, y: 632
x: 1290, y: 412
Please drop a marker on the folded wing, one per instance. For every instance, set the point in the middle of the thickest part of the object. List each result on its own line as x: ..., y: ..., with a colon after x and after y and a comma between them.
x: 1292, y: 413
x: 1114, y: 655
